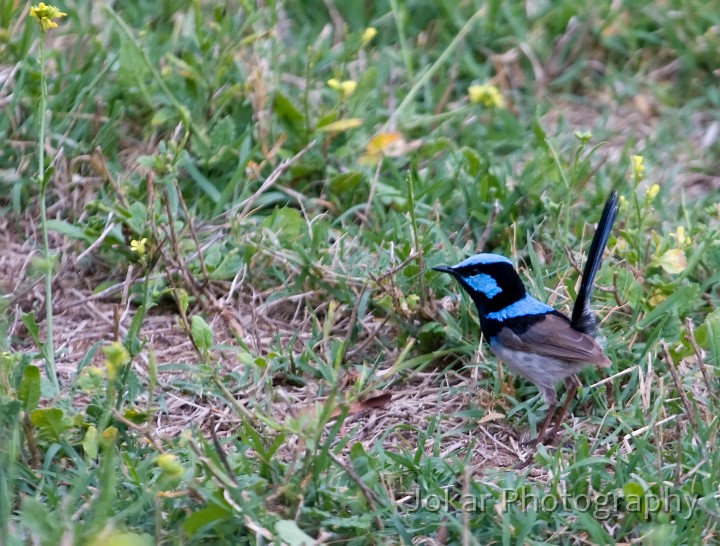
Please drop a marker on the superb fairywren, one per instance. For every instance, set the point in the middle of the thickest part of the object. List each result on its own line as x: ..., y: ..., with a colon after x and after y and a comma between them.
x: 533, y: 339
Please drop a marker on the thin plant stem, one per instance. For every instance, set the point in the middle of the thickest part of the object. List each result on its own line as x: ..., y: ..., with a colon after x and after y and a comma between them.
x: 182, y: 110
x: 407, y: 58
x: 416, y: 235
x: 425, y: 77
x: 49, y: 343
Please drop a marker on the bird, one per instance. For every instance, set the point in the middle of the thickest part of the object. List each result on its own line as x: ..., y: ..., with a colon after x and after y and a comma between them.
x: 533, y: 339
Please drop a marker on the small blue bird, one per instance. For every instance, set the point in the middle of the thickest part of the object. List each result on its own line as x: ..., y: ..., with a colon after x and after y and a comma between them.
x: 533, y: 339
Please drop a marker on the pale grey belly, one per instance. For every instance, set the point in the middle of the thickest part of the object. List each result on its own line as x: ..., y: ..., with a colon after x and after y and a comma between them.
x: 543, y: 371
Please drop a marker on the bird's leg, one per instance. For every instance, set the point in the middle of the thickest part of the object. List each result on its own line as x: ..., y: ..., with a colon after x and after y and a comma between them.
x: 541, y: 433
x: 551, y: 400
x: 571, y: 386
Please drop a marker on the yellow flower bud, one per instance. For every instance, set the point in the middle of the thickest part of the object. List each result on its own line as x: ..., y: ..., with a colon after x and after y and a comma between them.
x: 369, y: 34
x: 346, y: 87
x: 109, y: 436
x: 116, y: 356
x: 487, y: 95
x: 681, y: 236
x: 170, y: 464
x: 638, y: 166
x: 652, y: 192
x: 94, y: 372
x: 656, y: 299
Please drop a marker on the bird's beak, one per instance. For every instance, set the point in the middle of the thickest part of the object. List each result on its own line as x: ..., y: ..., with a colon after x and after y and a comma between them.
x: 444, y: 269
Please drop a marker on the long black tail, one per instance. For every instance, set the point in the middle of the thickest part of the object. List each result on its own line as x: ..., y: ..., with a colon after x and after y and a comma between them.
x: 583, y: 318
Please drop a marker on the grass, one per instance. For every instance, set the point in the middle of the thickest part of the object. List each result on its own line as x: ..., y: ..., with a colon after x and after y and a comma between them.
x: 250, y: 344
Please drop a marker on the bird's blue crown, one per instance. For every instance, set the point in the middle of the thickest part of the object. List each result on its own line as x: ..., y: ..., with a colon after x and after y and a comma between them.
x: 483, y: 259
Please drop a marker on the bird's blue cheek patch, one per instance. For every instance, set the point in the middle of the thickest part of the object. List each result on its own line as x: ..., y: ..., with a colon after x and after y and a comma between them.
x: 485, y: 284
x: 526, y: 306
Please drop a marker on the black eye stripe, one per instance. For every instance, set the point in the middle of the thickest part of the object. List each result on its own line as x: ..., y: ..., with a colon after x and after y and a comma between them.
x: 492, y: 286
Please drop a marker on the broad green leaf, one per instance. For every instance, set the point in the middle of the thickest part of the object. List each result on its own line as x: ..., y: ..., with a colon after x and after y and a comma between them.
x: 363, y: 522
x: 69, y: 230
x: 29, y: 391
x: 164, y: 117
x: 200, y: 179
x: 289, y: 532
x: 28, y: 320
x: 345, y: 183
x: 10, y: 414
x: 201, y: 333
x: 90, y: 442
x: 227, y: 269
x: 50, y: 421
x: 473, y: 161
x: 137, y: 219
x: 201, y: 518
x: 131, y: 67
x: 359, y: 458
x: 223, y: 133
x: 121, y: 539
x: 286, y: 109
x: 214, y: 255
x: 287, y: 222
x: 633, y: 489
x: 31, y: 324
x: 341, y: 126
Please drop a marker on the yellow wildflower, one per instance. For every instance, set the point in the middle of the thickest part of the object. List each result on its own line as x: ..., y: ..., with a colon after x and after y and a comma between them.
x: 45, y: 13
x: 652, y: 192
x: 487, y: 95
x: 346, y: 88
x: 681, y: 237
x: 116, y: 356
x: 583, y: 136
x: 638, y: 166
x: 110, y: 435
x: 385, y: 145
x: 169, y: 463
x: 369, y: 34
x: 94, y: 372
x: 138, y: 246
x: 656, y: 299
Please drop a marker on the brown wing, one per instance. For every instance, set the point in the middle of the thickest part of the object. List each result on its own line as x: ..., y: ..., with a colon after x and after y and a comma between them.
x: 553, y: 336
